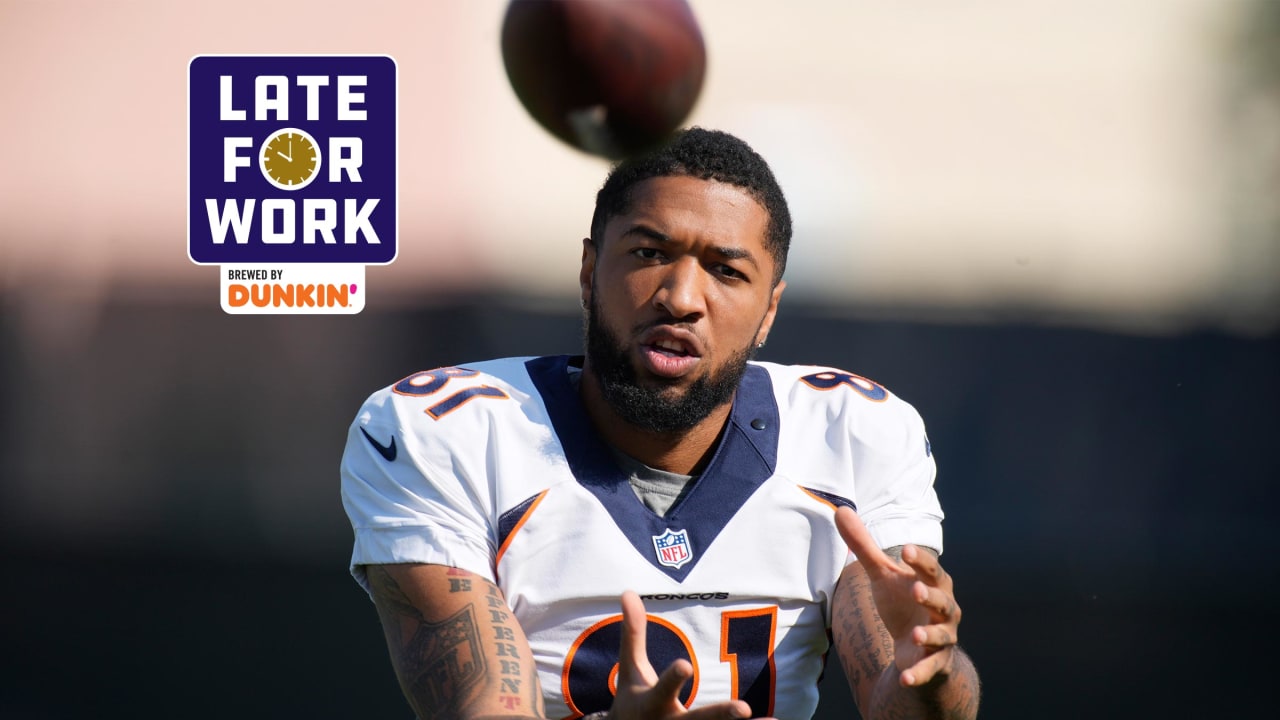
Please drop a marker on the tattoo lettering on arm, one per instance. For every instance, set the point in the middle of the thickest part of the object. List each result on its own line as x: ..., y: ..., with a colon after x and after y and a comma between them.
x: 440, y: 663
x: 517, y: 693
x: 864, y: 646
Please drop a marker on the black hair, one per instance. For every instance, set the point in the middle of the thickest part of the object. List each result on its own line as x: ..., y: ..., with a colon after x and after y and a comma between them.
x: 706, y: 155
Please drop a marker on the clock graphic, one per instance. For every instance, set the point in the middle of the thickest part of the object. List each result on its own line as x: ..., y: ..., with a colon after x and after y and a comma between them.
x: 290, y: 159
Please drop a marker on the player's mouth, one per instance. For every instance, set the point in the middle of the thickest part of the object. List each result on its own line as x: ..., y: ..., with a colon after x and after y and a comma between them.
x: 670, y: 353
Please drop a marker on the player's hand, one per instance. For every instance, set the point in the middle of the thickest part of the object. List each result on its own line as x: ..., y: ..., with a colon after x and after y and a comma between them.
x: 915, y: 600
x: 644, y: 695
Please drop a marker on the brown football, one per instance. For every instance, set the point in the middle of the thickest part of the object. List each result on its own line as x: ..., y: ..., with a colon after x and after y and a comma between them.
x: 610, y: 77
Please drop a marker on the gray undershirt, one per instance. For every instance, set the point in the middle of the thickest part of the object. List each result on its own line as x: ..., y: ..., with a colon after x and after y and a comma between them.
x: 657, y: 489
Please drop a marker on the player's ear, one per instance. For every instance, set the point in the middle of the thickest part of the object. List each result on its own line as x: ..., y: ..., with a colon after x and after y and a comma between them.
x: 766, y: 325
x: 588, y: 269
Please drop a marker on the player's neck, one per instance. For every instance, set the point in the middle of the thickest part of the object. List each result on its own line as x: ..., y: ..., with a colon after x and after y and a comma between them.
x: 686, y: 452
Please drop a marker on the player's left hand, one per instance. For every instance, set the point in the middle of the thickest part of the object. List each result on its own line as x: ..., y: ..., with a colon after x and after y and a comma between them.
x: 915, y: 600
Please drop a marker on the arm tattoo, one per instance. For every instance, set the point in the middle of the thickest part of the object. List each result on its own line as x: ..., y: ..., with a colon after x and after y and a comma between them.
x: 871, y: 669
x: 867, y: 647
x: 517, y: 675
x: 440, y: 663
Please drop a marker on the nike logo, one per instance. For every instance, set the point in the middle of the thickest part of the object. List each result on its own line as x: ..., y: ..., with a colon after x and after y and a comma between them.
x: 386, y: 451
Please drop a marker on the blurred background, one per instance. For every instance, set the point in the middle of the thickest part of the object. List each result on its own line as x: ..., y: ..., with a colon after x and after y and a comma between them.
x: 1051, y: 225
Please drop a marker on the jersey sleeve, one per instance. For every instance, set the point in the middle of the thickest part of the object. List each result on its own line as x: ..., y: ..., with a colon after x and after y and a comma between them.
x: 894, y: 472
x: 405, y: 508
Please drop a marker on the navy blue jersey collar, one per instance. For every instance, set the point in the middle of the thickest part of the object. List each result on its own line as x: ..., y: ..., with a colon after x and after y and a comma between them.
x: 745, y: 457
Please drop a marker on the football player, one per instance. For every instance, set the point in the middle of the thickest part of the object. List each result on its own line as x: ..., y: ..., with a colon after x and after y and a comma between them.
x: 662, y: 527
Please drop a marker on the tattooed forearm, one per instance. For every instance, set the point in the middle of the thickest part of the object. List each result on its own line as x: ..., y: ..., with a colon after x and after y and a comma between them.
x: 866, y: 648
x: 440, y: 664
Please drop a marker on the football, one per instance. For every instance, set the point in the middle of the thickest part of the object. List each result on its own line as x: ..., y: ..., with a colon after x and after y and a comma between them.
x: 609, y: 77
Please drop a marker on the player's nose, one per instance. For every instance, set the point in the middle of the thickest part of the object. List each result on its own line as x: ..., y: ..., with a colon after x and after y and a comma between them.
x: 682, y: 293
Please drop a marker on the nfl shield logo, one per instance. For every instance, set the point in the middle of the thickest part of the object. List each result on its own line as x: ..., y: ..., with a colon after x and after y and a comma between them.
x: 673, y: 548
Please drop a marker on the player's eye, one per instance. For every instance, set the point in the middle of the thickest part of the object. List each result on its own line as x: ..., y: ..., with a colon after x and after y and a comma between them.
x: 647, y: 253
x: 729, y: 271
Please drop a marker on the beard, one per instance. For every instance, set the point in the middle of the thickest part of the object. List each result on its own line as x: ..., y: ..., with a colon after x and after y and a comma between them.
x: 655, y: 406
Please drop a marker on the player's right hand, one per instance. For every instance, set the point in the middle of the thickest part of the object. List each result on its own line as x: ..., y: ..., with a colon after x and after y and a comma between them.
x: 644, y: 695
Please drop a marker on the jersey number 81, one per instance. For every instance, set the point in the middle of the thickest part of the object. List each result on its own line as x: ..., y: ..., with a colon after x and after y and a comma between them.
x: 590, y: 676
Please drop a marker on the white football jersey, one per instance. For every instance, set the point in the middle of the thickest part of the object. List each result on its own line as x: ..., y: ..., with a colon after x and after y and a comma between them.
x: 494, y: 467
